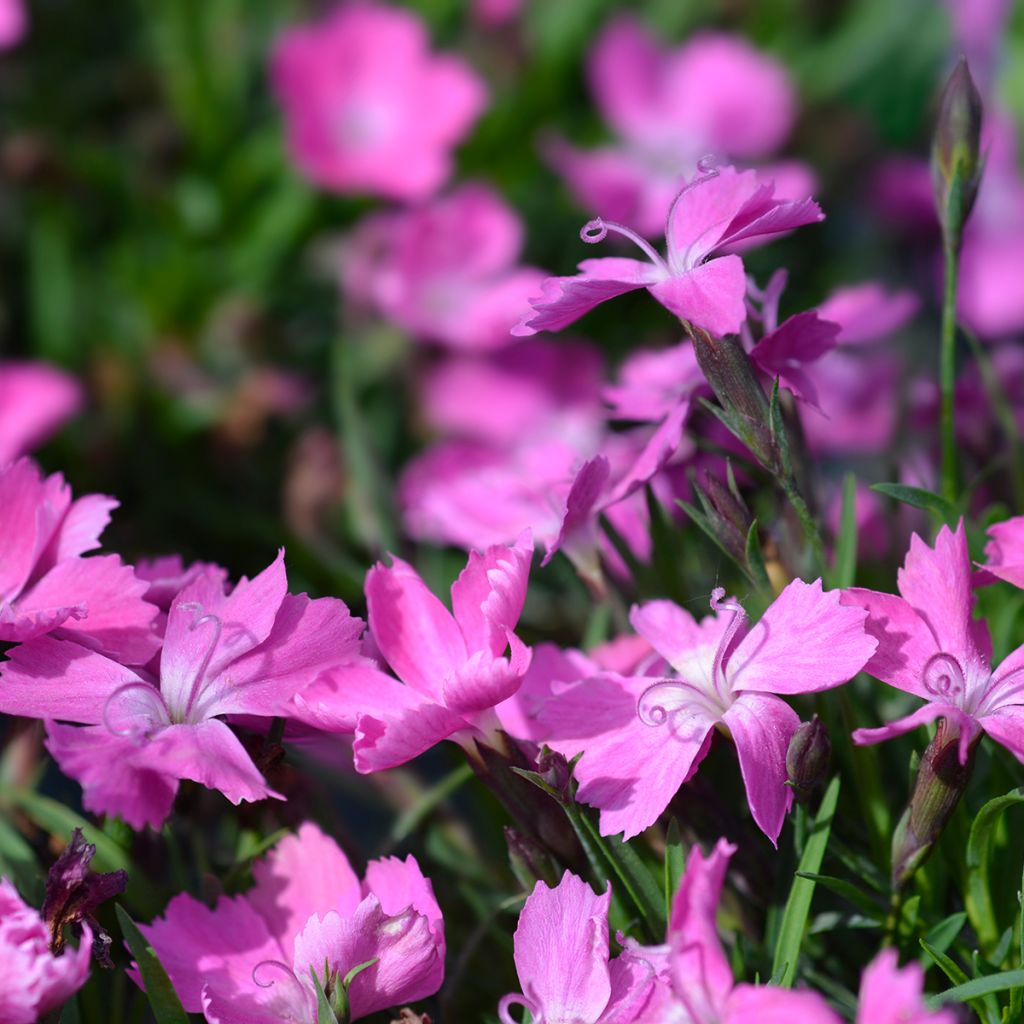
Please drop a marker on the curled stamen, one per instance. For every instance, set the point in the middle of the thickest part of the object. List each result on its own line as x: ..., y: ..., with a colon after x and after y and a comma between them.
x: 721, y: 603
x: 998, y: 692
x: 943, y: 675
x: 684, y: 724
x: 596, y: 230
x: 294, y: 997
x: 654, y: 714
x: 151, y: 710
x: 515, y: 1000
x: 197, y: 682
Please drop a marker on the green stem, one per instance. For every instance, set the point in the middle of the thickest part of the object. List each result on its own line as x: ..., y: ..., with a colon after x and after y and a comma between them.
x: 947, y: 371
x: 807, y: 521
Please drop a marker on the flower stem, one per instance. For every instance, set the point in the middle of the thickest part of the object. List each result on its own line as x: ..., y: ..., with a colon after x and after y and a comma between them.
x: 947, y: 372
x: 807, y: 521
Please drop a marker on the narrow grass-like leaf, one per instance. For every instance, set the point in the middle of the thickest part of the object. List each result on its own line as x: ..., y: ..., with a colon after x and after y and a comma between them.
x: 860, y: 899
x: 163, y: 1000
x: 979, y: 987
x: 798, y: 906
x: 844, y: 567
x: 918, y: 497
x: 978, y: 894
x: 18, y: 862
x: 944, y: 934
x: 324, y: 1011
x: 675, y: 864
x: 430, y: 800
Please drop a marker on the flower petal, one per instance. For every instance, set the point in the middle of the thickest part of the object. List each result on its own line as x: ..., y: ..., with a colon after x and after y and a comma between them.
x: 387, y: 738
x: 711, y: 296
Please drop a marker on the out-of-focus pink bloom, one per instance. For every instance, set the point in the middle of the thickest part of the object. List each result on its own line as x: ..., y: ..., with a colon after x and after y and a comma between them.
x: 32, y: 980
x: 931, y: 647
x: 452, y: 664
x: 903, y: 195
x: 501, y: 398
x: 446, y: 271
x: 1004, y: 553
x: 787, y: 351
x: 669, y: 109
x: 249, y: 959
x: 889, y: 995
x: 643, y: 736
x: 495, y: 13
x: 45, y: 584
x: 368, y: 107
x: 168, y: 576
x: 244, y: 653
x: 978, y: 33
x: 35, y: 400
x: 702, y: 280
x: 12, y: 22
x: 562, y: 959
x: 653, y: 382
x: 701, y: 978
x: 868, y: 311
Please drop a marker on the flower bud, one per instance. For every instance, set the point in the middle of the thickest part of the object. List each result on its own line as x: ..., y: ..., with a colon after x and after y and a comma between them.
x: 941, y: 781
x: 529, y: 861
x: 956, y: 152
x: 726, y: 513
x: 744, y: 405
x: 807, y: 759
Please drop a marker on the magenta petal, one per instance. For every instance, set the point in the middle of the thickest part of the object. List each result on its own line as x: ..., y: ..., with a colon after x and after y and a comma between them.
x: 625, y: 69
x: 686, y: 644
x: 21, y: 497
x: 219, y: 948
x: 784, y: 353
x: 701, y: 974
x: 629, y: 770
x: 922, y: 716
x: 1004, y: 553
x: 762, y: 726
x: 1006, y: 726
x: 409, y: 964
x: 806, y: 641
x: 581, y: 506
x: 564, y: 300
x: 49, y: 678
x: 488, y: 596
x: 704, y: 209
x: 711, y: 296
x: 484, y: 681
x: 208, y: 753
x: 561, y: 950
x: 660, y: 447
x: 113, y: 773
x: 387, y: 739
x: 303, y: 874
x: 414, y: 631
x: 35, y: 398
x: 337, y: 699
x: 769, y: 1005
x: 400, y: 884
x: 889, y: 995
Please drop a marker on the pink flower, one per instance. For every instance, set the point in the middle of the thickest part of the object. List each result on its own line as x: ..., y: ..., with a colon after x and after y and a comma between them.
x: 35, y: 399
x: 868, y: 311
x: 249, y: 959
x: 889, y: 995
x: 45, y: 584
x: 168, y: 576
x: 453, y: 664
x: 653, y: 382
x: 244, y: 653
x: 32, y: 980
x: 931, y: 647
x: 643, y: 736
x: 495, y: 13
x: 12, y: 22
x: 562, y: 959
x: 670, y: 108
x: 702, y: 281
x: 702, y: 980
x: 368, y: 106
x: 1004, y: 553
x: 446, y: 271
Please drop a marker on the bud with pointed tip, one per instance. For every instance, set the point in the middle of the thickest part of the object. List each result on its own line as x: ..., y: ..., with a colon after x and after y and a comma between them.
x: 807, y: 759
x: 726, y: 513
x: 956, y: 153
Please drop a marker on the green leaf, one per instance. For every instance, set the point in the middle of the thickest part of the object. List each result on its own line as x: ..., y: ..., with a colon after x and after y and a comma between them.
x: 704, y: 524
x: 778, y: 428
x: 429, y: 801
x: 163, y: 1000
x: 675, y: 864
x: 844, y: 567
x: 977, y: 987
x: 358, y: 969
x: 18, y: 862
x: 944, y: 934
x: 860, y: 899
x: 918, y: 497
x: 70, y: 1013
x: 755, y: 558
x: 956, y: 974
x: 978, y: 893
x: 798, y: 906
x: 324, y: 1011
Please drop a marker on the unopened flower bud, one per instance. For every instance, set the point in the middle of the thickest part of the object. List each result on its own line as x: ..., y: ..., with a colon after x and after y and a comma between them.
x: 529, y: 861
x: 941, y: 781
x: 555, y: 771
x: 726, y: 513
x: 733, y: 379
x: 956, y: 152
x: 807, y: 759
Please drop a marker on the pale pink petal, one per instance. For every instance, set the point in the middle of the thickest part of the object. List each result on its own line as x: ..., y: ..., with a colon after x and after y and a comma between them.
x: 639, y: 993
x: 304, y: 874
x: 409, y: 963
x: 114, y: 774
x: 701, y: 974
x: 488, y: 596
x: 677, y: 636
x: 218, y: 947
x: 387, y: 739
x: 22, y: 494
x: 889, y: 995
x: 652, y: 458
x: 208, y: 753
x: 50, y: 678
x: 937, y: 583
x: 308, y: 638
x: 629, y: 770
x: 80, y: 529
x: 868, y: 311
x: 1004, y: 552
x: 415, y: 633
x: 757, y: 221
x: 337, y: 699
x: 564, y: 300
x: 705, y: 208
x: 35, y: 398
x: 922, y: 716
x: 624, y: 67
x: 561, y: 950
x: 768, y: 1005
x: 1006, y: 726
x: 805, y: 642
x: 484, y: 681
x: 762, y: 726
x: 400, y: 884
x: 581, y: 507
x: 710, y: 296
